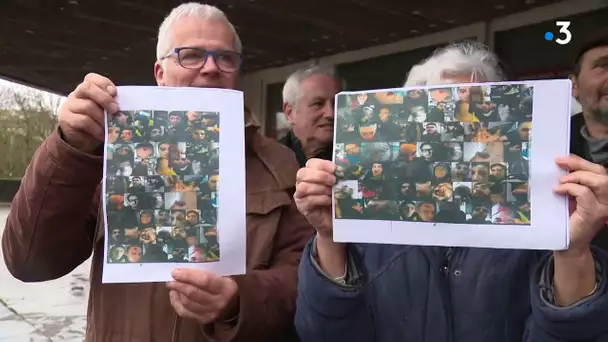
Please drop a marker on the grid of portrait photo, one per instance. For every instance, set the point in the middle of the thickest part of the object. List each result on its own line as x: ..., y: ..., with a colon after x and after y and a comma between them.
x: 446, y: 154
x: 161, y: 186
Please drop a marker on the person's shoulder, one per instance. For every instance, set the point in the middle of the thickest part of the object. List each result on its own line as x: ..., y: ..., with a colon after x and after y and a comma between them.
x: 578, y: 118
x: 279, y: 154
x: 285, y: 140
x: 279, y: 159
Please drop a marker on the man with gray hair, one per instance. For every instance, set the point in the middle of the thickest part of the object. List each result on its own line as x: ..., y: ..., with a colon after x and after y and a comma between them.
x: 589, y: 129
x: 56, y: 220
x: 308, y: 104
x: 386, y: 293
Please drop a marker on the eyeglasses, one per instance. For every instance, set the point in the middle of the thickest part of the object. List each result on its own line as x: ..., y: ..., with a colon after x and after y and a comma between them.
x: 196, y: 58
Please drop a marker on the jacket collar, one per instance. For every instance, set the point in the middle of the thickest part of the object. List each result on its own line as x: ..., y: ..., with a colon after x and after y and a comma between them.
x: 252, y: 126
x: 295, y: 145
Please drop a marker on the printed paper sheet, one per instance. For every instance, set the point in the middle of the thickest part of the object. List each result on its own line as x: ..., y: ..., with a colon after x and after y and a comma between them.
x: 452, y: 165
x: 161, y: 184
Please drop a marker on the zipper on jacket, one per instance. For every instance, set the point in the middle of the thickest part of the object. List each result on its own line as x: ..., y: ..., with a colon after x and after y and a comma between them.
x: 447, y: 266
x: 446, y: 260
x: 441, y: 259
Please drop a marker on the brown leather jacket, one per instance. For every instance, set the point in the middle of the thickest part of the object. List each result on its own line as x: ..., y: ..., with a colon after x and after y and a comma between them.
x: 54, y: 226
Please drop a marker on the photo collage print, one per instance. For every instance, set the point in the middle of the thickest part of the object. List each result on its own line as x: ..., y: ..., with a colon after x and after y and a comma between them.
x: 162, y: 181
x: 440, y: 154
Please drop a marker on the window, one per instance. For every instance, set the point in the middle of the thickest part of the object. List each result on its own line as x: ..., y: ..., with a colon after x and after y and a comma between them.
x: 275, y: 123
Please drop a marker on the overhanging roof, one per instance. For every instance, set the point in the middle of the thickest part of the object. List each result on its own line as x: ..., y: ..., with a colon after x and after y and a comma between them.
x: 53, y: 44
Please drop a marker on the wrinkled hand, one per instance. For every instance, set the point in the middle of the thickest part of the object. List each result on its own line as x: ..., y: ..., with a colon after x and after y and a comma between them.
x: 201, y: 296
x: 587, y: 185
x: 81, y: 116
x: 313, y: 193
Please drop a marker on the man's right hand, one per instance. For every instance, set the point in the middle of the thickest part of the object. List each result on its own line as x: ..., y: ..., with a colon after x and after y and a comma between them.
x: 314, y: 184
x: 81, y: 116
x: 313, y: 197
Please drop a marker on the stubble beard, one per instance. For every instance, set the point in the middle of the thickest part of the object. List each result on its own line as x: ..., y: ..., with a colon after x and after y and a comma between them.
x: 600, y: 115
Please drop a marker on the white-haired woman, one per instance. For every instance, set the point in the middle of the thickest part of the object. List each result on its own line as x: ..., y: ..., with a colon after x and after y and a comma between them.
x: 465, y: 62
x: 386, y: 293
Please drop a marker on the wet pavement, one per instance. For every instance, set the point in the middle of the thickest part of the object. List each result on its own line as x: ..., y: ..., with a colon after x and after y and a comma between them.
x: 49, y: 311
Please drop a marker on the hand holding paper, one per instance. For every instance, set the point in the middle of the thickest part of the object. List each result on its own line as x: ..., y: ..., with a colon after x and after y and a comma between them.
x: 587, y: 184
x: 200, y: 295
x: 575, y: 268
x: 313, y: 194
x: 81, y: 117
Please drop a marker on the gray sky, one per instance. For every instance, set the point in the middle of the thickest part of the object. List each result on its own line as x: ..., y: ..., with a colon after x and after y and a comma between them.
x: 5, y: 83
x: 49, y: 98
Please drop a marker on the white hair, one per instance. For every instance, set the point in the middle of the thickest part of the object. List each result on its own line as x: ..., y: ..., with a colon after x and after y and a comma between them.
x: 457, y: 59
x: 291, y: 89
x: 164, y: 44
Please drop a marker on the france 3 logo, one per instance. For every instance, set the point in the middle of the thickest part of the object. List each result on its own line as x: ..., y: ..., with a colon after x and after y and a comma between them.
x: 564, y: 35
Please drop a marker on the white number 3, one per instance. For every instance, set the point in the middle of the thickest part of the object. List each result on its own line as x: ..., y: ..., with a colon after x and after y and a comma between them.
x: 563, y: 28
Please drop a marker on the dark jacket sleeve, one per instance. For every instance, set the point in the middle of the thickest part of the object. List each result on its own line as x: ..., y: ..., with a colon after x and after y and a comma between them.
x: 327, y: 311
x: 267, y: 297
x: 582, y: 321
x: 50, y: 227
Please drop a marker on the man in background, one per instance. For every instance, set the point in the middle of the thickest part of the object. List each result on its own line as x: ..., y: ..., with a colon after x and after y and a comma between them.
x: 308, y: 104
x: 589, y: 129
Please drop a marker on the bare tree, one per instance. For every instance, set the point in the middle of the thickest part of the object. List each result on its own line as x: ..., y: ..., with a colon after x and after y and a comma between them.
x: 27, y: 117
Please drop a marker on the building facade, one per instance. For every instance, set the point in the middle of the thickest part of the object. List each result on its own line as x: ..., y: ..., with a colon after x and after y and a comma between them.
x: 518, y: 39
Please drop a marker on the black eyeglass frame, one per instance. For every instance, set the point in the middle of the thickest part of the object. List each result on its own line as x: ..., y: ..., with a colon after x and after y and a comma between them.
x: 207, y: 53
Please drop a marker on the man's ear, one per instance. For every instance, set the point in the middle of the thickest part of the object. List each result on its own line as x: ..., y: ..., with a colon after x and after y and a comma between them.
x: 159, y: 73
x: 289, y: 112
x: 574, y: 80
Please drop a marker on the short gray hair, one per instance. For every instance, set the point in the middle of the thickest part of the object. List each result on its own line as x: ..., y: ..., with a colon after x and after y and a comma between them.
x: 291, y: 89
x: 164, y: 44
x: 464, y: 58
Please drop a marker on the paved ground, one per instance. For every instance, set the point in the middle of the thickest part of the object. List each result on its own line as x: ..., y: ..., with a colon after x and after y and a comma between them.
x: 49, y: 311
